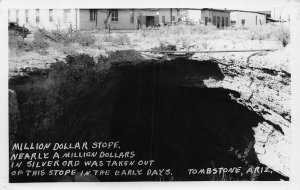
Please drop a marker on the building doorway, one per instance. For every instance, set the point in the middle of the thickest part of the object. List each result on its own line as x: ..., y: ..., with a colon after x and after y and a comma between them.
x: 150, y: 21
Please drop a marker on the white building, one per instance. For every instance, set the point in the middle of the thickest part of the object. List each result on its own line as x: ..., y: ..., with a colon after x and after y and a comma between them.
x: 247, y: 18
x: 217, y: 17
x: 45, y: 18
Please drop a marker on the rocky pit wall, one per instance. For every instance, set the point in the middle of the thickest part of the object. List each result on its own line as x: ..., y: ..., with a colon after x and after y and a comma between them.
x: 219, y: 107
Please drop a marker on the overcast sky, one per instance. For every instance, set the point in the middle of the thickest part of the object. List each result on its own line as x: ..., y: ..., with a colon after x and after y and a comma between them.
x: 280, y: 6
x: 238, y: 4
x: 234, y: 4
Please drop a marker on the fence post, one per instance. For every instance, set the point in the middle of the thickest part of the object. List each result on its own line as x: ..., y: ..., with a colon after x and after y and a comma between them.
x: 23, y: 32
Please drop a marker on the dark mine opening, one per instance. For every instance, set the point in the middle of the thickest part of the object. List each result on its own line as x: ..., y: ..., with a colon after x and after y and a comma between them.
x: 166, y: 118
x: 186, y: 128
x: 166, y: 113
x: 163, y: 112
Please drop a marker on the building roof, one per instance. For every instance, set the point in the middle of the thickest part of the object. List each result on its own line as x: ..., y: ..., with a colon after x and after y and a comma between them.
x: 266, y: 12
x: 257, y: 12
x: 219, y: 10
x: 275, y: 20
x: 156, y: 9
x: 209, y: 9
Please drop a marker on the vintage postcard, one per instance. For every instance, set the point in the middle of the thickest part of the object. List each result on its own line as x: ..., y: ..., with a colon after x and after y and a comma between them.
x: 118, y: 94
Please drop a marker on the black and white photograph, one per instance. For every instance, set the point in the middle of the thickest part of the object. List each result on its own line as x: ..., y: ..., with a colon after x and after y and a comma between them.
x: 150, y: 94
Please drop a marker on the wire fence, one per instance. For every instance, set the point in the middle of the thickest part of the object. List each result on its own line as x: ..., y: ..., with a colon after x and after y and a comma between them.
x: 216, y: 51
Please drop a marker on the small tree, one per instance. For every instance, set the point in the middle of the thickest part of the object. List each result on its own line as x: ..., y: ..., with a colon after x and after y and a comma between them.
x: 108, y: 13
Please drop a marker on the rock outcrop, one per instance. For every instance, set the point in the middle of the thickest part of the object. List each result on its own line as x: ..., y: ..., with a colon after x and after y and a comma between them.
x: 264, y: 83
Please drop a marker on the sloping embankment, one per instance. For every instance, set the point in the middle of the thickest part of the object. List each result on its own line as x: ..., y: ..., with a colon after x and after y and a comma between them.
x: 183, y: 113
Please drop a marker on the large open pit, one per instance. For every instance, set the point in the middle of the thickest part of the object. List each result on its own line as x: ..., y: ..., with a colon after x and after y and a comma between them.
x: 160, y: 109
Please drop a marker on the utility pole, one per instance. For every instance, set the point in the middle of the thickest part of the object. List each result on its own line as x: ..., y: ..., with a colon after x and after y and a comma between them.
x: 280, y: 13
x: 171, y: 16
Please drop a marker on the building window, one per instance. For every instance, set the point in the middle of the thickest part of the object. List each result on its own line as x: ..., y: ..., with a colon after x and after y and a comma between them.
x: 37, y: 15
x: 26, y: 16
x: 256, y: 20
x: 243, y: 22
x: 50, y: 15
x: 173, y: 18
x: 163, y: 19
x: 227, y: 22
x: 92, y: 14
x: 223, y: 22
x: 114, y: 15
x: 214, y: 20
x: 17, y: 16
x: 66, y: 15
x: 218, y: 22
x: 132, y: 17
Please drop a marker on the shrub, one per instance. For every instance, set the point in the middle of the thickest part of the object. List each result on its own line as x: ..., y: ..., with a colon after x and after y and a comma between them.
x: 121, y: 39
x: 165, y: 46
x: 107, y: 38
x: 270, y: 31
x: 185, y: 30
x: 200, y: 29
x: 85, y: 39
x: 259, y: 33
x: 15, y: 41
x: 67, y: 36
x: 186, y: 43
x: 204, y: 44
x: 283, y: 35
x: 252, y: 35
x: 144, y: 33
x: 38, y: 44
x: 177, y: 30
x: 67, y: 50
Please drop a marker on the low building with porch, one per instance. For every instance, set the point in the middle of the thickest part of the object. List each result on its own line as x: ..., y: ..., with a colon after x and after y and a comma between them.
x: 241, y: 18
x: 88, y: 19
x: 127, y: 19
